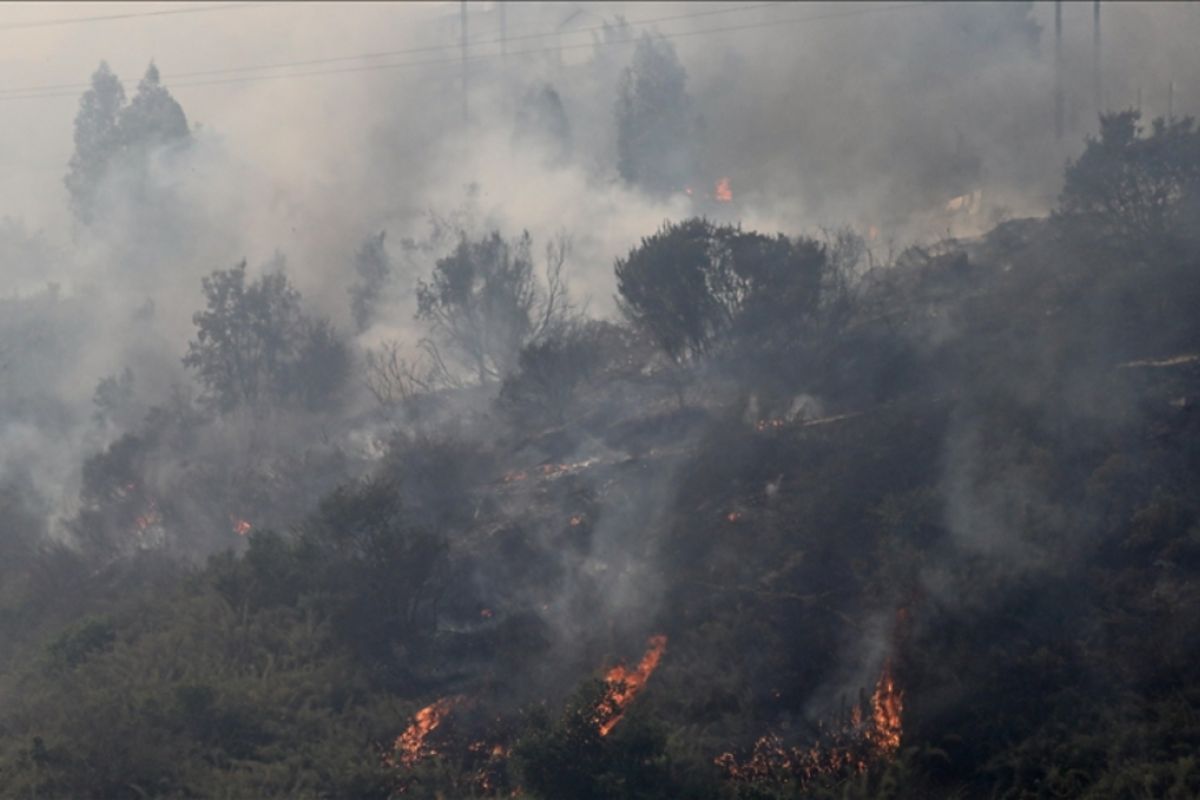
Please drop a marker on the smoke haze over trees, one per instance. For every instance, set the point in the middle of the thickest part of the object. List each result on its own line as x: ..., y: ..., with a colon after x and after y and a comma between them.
x: 615, y: 400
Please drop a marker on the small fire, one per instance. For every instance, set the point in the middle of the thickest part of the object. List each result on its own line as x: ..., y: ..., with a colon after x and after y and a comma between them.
x: 733, y: 516
x: 515, y: 475
x: 576, y: 520
x: 887, y: 706
x: 872, y: 232
x: 769, y: 424
x: 486, y: 613
x: 149, y: 518
x: 240, y: 526
x: 722, y: 193
x: 410, y: 746
x: 852, y: 745
x: 625, y: 684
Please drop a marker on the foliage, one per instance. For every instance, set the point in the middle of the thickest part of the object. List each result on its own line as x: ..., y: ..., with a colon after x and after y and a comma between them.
x: 373, y: 267
x: 1010, y: 526
x: 97, y: 138
x: 696, y: 285
x: 1134, y: 192
x: 542, y: 122
x: 654, y: 119
x: 111, y: 134
x: 484, y: 302
x: 550, y: 372
x: 253, y: 344
x: 567, y: 757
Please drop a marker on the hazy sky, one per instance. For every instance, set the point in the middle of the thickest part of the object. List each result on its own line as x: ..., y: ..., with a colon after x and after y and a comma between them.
x: 787, y: 90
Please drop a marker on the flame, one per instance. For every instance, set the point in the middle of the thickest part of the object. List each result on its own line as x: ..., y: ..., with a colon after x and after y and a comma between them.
x: 872, y: 232
x: 410, y: 747
x: 240, y: 526
x: 576, y: 520
x: 486, y: 613
x: 722, y: 193
x: 148, y: 518
x: 733, y: 516
x: 852, y: 745
x: 887, y: 706
x: 625, y: 684
x: 968, y: 202
x: 769, y: 424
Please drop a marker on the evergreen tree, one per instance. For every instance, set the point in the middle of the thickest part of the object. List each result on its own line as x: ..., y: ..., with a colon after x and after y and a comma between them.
x: 153, y: 118
x: 654, y: 119
x: 96, y: 140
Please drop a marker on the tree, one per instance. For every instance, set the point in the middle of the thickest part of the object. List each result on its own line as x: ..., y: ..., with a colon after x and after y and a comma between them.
x: 373, y: 267
x: 385, y: 575
x: 246, y: 338
x: 548, y: 375
x: 392, y: 379
x: 253, y: 343
x: 568, y: 757
x: 322, y: 366
x: 97, y: 139
x: 695, y: 285
x: 542, y: 121
x: 1131, y: 191
x: 108, y: 132
x: 654, y: 119
x: 484, y: 303
x: 153, y: 118
x: 113, y: 398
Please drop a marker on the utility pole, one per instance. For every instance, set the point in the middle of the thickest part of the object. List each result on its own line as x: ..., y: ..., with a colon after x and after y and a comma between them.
x: 1058, y: 68
x: 464, y: 61
x: 503, y: 33
x: 1099, y: 86
x: 1170, y: 101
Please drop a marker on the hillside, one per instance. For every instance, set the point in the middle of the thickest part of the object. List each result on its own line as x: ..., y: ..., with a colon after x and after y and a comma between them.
x: 926, y: 528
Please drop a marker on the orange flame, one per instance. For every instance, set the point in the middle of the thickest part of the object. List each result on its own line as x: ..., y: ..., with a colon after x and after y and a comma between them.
x: 576, y: 520
x: 851, y: 746
x: 148, y: 518
x: 241, y: 527
x: 887, y: 706
x: 722, y: 193
x: 410, y: 746
x: 625, y: 684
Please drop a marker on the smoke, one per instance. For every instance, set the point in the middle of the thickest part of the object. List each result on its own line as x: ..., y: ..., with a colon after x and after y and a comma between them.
x: 908, y: 122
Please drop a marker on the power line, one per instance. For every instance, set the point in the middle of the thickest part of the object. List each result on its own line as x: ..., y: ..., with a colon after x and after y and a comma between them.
x: 455, y: 60
x: 482, y: 42
x: 195, y: 9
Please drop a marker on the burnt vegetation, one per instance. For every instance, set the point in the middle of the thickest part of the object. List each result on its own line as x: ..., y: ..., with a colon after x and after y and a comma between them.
x: 804, y: 521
